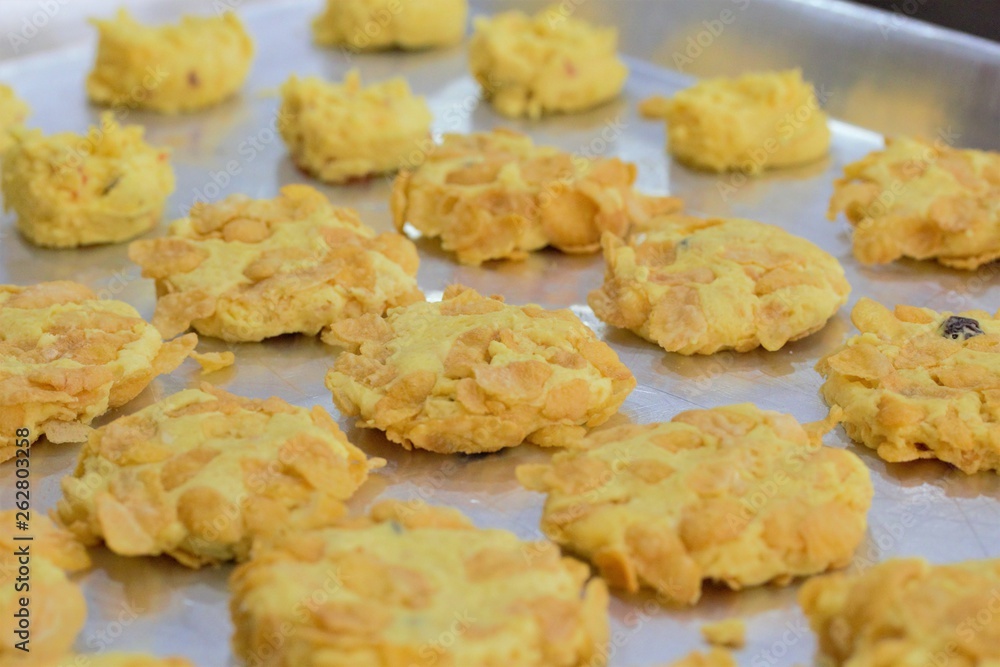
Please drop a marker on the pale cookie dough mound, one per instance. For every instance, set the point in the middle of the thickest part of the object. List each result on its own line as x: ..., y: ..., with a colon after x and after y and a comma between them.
x: 374, y: 25
x: 758, y: 121
x: 342, y: 132
x: 923, y: 201
x: 495, y: 195
x: 472, y: 374
x: 70, y: 190
x: 735, y: 495
x: 917, y: 384
x: 548, y: 63
x: 248, y: 269
x: 202, y: 474
x: 191, y: 65
x: 67, y: 357
x: 417, y: 585
x: 13, y: 112
x: 697, y: 286
x: 906, y: 611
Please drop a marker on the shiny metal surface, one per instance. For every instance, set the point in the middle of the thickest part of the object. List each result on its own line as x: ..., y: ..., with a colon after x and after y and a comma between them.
x: 923, y: 509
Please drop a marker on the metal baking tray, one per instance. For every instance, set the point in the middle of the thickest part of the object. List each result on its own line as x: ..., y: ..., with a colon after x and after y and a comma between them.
x: 880, y: 70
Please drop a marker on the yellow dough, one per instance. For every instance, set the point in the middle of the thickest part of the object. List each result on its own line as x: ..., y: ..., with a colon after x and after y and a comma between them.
x: 341, y: 132
x: 763, y: 120
x: 191, y: 65
x: 472, y: 374
x: 697, y: 286
x: 202, y: 474
x: 914, y: 199
x: 67, y: 357
x: 417, y: 585
x: 906, y: 611
x: 70, y: 190
x: 13, y: 112
x: 545, y: 64
x: 495, y: 195
x: 373, y: 25
x: 918, y: 384
x: 735, y: 495
x: 247, y: 269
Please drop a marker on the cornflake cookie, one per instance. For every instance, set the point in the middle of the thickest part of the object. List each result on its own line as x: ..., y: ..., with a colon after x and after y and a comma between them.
x: 13, y: 112
x: 191, y: 65
x: 472, y: 374
x: 923, y: 201
x: 758, y: 121
x: 417, y: 585
x: 202, y: 474
x: 735, y: 495
x: 697, y: 286
x: 495, y: 195
x: 917, y: 384
x: 374, y: 25
x: 342, y: 132
x: 70, y: 190
x: 715, y: 657
x: 67, y: 357
x: 548, y: 63
x: 248, y: 269
x: 907, y: 612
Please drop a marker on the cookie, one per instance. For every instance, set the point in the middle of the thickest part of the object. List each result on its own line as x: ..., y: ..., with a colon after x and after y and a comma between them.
x: 13, y: 112
x: 697, y: 286
x: 735, y: 495
x: 715, y: 657
x: 191, y: 65
x: 757, y: 121
x: 923, y: 201
x: 473, y: 374
x: 343, y: 132
x: 731, y: 633
x: 416, y: 585
x: 544, y: 64
x: 906, y: 611
x: 202, y: 474
x: 248, y: 269
x: 67, y: 357
x: 70, y: 190
x: 375, y: 25
x: 918, y: 384
x: 495, y: 195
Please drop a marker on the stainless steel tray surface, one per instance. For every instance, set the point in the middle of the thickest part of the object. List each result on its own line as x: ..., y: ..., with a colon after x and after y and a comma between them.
x: 925, y: 509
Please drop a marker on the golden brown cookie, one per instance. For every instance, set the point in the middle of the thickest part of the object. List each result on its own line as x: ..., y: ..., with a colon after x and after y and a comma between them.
x: 202, y: 474
x: 247, y: 269
x: 375, y: 25
x: 472, y: 374
x: 736, y: 495
x: 417, y: 585
x: 13, y: 112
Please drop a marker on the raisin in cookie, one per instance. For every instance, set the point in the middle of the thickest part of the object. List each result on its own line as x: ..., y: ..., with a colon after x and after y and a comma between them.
x: 473, y: 374
x: 417, y: 585
x: 201, y: 474
x: 375, y: 25
x: 248, y: 269
x: 697, y: 286
x: 917, y: 384
x: 735, y: 495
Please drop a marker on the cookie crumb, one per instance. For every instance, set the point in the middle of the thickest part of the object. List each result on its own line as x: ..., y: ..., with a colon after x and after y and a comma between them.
x: 213, y: 361
x: 730, y: 633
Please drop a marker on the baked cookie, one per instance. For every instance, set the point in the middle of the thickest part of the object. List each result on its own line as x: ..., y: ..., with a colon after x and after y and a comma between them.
x: 417, y: 585
x: 544, y: 64
x: 495, y: 195
x: 697, y: 286
x: 374, y: 25
x: 67, y: 357
x: 923, y: 201
x: 715, y: 657
x: 202, y: 474
x: 906, y: 611
x: 917, y: 384
x: 735, y: 495
x: 248, y: 269
x: 472, y: 374
x: 758, y: 121
x: 187, y: 66
x: 70, y: 190
x: 13, y: 112
x: 342, y: 132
